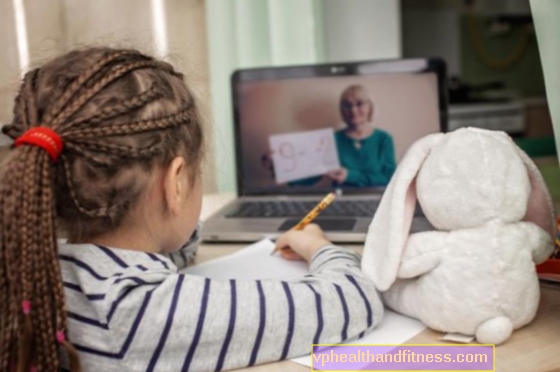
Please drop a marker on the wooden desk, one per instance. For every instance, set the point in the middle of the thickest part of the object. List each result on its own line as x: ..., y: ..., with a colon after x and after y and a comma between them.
x: 534, y: 348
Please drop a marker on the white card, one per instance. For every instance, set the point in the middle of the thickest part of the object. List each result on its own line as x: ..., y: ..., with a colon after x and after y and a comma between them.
x: 303, y: 154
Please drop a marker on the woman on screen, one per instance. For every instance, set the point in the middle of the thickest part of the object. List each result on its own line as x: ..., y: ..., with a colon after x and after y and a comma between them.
x: 366, y: 153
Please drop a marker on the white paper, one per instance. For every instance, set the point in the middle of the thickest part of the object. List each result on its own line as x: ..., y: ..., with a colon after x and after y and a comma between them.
x: 303, y: 154
x: 252, y: 262
x: 255, y: 262
x: 393, y: 329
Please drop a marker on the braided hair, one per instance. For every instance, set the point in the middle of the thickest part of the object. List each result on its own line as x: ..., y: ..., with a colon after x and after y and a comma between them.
x: 119, y: 114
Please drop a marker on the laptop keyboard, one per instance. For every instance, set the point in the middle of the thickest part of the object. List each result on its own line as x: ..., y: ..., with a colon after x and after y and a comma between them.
x: 279, y: 209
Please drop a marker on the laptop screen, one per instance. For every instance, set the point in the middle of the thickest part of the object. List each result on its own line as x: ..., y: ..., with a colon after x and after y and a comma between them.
x: 303, y: 130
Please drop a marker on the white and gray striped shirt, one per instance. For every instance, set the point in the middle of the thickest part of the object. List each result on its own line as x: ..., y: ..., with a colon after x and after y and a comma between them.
x: 134, y: 311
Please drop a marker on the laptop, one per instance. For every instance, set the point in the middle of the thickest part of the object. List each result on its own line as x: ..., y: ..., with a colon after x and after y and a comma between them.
x: 304, y: 131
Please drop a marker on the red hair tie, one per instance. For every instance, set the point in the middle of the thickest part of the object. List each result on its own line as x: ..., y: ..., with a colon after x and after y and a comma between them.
x: 45, y: 138
x: 26, y: 306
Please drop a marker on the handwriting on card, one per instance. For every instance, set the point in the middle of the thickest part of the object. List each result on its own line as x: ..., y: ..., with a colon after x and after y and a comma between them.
x: 300, y: 155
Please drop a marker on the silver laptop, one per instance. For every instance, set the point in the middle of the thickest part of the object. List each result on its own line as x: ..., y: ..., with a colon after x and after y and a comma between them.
x: 304, y: 131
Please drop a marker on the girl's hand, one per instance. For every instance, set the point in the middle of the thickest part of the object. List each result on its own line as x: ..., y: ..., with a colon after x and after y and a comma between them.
x: 301, y: 244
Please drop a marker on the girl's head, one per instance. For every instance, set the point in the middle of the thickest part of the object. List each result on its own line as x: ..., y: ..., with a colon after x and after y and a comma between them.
x: 132, y: 147
x: 356, y: 106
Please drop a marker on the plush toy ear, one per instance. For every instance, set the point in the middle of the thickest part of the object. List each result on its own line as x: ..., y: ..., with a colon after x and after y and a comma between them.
x: 389, y: 230
x: 540, y: 209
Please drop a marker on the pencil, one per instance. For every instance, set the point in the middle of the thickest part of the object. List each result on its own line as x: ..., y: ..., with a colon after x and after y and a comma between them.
x: 327, y: 200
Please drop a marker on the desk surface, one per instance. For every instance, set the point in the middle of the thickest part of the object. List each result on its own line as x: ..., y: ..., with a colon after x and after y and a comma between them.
x: 533, y: 348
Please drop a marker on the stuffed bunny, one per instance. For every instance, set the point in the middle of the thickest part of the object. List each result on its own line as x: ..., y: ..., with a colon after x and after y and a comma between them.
x: 494, y: 220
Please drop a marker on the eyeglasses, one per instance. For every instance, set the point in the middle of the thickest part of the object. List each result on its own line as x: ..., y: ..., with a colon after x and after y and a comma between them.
x: 347, y: 105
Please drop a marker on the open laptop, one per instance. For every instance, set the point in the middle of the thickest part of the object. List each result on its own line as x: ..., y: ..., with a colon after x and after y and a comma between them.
x: 301, y: 132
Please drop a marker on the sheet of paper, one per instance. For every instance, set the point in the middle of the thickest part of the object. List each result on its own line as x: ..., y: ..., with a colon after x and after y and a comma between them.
x: 252, y: 262
x: 394, y: 329
x: 255, y: 262
x: 303, y: 154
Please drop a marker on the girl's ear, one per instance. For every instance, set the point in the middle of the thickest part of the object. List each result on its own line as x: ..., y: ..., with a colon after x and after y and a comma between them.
x: 175, y: 185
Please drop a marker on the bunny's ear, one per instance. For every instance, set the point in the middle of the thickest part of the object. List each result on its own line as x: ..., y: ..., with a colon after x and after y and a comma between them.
x: 389, y: 230
x: 540, y: 209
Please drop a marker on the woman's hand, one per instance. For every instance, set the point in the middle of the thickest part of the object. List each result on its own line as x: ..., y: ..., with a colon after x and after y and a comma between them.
x: 301, y: 244
x: 339, y: 175
x: 266, y: 162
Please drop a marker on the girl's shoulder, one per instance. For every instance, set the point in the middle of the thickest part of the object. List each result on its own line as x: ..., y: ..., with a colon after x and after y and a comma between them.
x: 109, y: 261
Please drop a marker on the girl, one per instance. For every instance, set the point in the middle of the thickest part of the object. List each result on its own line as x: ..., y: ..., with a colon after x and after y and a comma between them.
x: 109, y: 143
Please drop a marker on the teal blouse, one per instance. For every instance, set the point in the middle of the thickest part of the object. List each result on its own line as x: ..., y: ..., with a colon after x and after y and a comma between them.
x: 371, y: 163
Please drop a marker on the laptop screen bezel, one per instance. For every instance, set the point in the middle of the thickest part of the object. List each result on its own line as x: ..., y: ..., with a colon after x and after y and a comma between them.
x: 363, y: 68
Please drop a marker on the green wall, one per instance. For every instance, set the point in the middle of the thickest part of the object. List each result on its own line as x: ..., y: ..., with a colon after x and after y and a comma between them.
x: 254, y: 33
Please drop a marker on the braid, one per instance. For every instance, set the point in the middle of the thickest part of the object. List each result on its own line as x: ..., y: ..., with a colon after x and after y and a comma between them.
x: 27, y: 209
x: 91, y: 158
x: 21, y: 215
x: 11, y: 261
x: 4, y: 302
x: 16, y: 125
x: 88, y: 94
x: 25, y: 110
x: 124, y: 152
x: 22, y: 112
x: 110, y: 112
x: 28, y: 256
x: 79, y: 82
x: 49, y: 275
x: 162, y: 123
x: 27, y: 334
x: 30, y: 96
x: 12, y: 130
x: 98, y: 212
x: 42, y: 277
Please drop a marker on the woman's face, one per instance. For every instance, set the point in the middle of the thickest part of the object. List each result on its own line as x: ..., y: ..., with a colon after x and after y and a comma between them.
x: 356, y: 109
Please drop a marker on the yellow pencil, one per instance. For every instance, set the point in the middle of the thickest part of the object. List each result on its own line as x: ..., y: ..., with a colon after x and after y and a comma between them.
x: 327, y: 200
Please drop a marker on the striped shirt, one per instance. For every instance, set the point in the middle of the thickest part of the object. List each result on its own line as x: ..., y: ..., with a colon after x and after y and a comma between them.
x: 134, y: 311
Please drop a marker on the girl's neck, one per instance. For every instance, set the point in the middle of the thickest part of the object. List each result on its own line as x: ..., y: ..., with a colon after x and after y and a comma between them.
x: 130, y: 239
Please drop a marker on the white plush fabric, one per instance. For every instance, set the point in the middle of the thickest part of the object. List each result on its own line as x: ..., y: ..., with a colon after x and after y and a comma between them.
x: 494, y: 220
